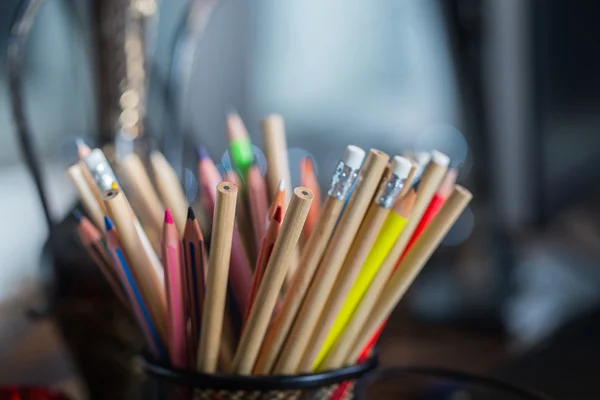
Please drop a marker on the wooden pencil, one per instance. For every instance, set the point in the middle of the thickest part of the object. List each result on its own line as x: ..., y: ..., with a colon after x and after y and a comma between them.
x: 378, y: 211
x: 169, y: 189
x: 308, y: 179
x: 343, y: 179
x: 91, y: 238
x: 337, y: 249
x: 275, y: 272
x: 258, y: 202
x: 217, y: 275
x: 135, y: 176
x: 150, y: 280
x: 267, y: 245
x: 276, y: 153
x: 409, y: 268
x: 140, y: 309
x: 195, y: 264
x: 86, y: 194
x: 431, y: 179
x: 175, y: 284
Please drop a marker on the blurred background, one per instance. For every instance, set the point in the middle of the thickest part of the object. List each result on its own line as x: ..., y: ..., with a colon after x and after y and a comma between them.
x: 508, y: 89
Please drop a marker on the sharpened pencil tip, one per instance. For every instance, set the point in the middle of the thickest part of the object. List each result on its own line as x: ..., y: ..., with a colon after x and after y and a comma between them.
x: 77, y: 214
x: 278, y: 214
x: 108, y: 225
x: 80, y: 142
x: 168, y: 216
x: 201, y: 152
x: 191, y: 214
x: 281, y: 186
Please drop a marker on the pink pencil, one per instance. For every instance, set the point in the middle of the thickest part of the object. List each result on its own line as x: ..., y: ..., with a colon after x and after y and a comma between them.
x: 176, y: 285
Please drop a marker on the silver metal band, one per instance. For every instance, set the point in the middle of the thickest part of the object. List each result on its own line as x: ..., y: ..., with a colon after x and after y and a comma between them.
x: 390, y: 191
x: 342, y: 181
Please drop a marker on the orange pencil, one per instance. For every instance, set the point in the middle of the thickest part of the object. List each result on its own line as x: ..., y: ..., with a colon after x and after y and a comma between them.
x: 175, y: 284
x: 259, y: 203
x: 195, y: 264
x: 92, y: 240
x: 308, y: 179
x: 278, y: 200
x: 266, y: 247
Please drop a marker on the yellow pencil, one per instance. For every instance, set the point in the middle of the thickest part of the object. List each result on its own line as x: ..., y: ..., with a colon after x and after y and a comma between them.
x: 389, y: 233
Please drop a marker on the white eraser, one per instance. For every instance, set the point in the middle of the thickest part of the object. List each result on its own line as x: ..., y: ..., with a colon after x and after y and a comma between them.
x: 353, y: 156
x: 401, y: 167
x: 422, y: 158
x: 440, y: 158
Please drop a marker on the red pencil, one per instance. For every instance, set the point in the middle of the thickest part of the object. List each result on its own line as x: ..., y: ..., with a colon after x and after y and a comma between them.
x: 175, y: 284
x: 266, y: 247
x: 434, y: 206
x: 194, y: 255
x: 92, y: 240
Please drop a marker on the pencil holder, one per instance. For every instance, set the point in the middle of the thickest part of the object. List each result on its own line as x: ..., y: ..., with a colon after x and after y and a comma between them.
x: 167, y: 383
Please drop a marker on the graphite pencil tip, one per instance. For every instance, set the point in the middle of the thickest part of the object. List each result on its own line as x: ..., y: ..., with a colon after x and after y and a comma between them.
x: 191, y: 214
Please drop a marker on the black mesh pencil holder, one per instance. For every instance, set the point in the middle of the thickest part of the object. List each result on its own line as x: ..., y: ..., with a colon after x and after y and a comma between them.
x: 166, y: 383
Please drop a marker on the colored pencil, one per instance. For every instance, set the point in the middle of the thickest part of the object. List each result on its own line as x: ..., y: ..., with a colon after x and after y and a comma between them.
x: 175, y: 284
x: 195, y: 264
x: 267, y: 245
x: 275, y: 273
x: 240, y: 145
x: 436, y: 203
x: 258, y: 202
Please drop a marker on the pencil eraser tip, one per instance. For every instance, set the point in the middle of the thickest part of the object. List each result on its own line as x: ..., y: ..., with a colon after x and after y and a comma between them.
x: 401, y: 166
x: 440, y: 158
x: 422, y: 158
x: 353, y: 156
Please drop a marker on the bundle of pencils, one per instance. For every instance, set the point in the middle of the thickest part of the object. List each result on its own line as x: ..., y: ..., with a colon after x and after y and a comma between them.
x: 289, y: 284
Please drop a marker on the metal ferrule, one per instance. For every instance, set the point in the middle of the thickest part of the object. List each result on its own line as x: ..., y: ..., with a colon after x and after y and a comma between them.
x: 390, y: 191
x: 342, y: 181
x: 100, y: 170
